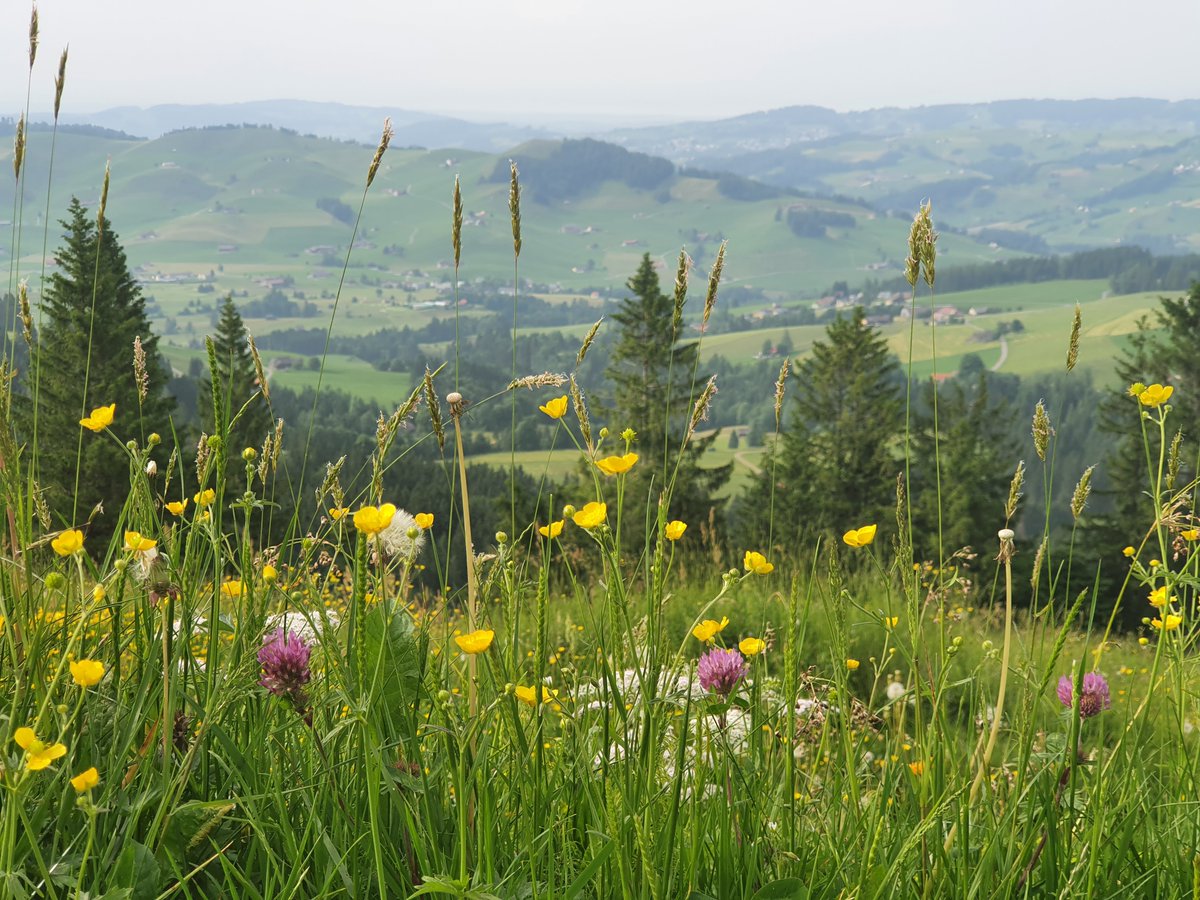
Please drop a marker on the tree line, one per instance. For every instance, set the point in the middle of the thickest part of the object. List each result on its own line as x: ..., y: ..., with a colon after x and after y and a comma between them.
x: 845, y: 429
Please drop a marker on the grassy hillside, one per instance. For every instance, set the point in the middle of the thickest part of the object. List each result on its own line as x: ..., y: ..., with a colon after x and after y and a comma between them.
x: 231, y: 207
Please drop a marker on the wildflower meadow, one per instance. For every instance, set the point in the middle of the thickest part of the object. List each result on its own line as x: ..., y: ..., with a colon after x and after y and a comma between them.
x: 206, y: 697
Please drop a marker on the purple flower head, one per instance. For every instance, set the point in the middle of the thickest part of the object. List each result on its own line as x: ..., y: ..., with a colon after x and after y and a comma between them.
x: 1093, y: 698
x: 284, y: 660
x: 721, y: 670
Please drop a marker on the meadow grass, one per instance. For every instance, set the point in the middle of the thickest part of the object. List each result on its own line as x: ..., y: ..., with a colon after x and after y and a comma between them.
x: 195, y: 710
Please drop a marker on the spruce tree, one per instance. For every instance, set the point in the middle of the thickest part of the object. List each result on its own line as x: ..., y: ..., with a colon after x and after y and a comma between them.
x: 246, y: 415
x: 655, y: 387
x: 838, y: 459
x: 92, y: 311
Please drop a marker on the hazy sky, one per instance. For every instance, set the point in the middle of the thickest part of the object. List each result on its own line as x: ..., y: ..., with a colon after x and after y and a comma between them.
x: 635, y: 58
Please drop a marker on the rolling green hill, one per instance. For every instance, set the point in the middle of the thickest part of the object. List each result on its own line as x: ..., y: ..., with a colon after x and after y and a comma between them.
x: 1034, y: 175
x: 207, y: 211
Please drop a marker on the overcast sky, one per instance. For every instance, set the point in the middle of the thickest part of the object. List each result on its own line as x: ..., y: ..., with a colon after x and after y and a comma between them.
x: 600, y: 58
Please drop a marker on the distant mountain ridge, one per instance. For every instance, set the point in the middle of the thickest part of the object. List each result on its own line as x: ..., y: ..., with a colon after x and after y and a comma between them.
x: 332, y: 120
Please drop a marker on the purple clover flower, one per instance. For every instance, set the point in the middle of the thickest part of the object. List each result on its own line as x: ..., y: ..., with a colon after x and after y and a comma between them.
x: 285, y: 672
x: 1093, y: 698
x: 721, y: 670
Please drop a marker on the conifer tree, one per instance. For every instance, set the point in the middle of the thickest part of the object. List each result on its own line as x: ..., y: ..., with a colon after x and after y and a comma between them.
x: 837, y: 464
x: 93, y: 311
x: 248, y: 421
x: 655, y: 387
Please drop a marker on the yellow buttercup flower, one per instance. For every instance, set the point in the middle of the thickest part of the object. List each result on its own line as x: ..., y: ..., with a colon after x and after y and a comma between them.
x: 68, y: 542
x: 674, y: 530
x: 528, y: 695
x: 86, y: 780
x: 1192, y: 534
x: 337, y: 512
x: 138, y: 543
x: 99, y: 593
x: 752, y: 646
x: 87, y: 672
x: 270, y: 574
x: 38, y: 754
x: 616, y: 465
x: 852, y: 664
x: 917, y: 768
x: 232, y: 588
x: 101, y: 418
x: 891, y: 621
x: 1159, y: 598
x: 556, y: 408
x: 1129, y: 551
x: 1170, y: 623
x: 553, y: 530
x: 859, y: 537
x: 424, y: 521
x: 1155, y: 395
x: 372, y: 520
x: 709, y: 629
x: 475, y: 642
x: 755, y: 562
x: 206, y: 497
x: 591, y: 516
x: 177, y: 507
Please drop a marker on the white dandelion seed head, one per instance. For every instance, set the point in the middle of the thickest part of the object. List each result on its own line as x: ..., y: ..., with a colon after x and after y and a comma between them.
x: 402, y: 538
x: 896, y: 690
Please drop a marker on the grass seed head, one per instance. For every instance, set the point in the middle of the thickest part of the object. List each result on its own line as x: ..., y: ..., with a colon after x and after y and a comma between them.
x: 514, y: 205
x: 203, y: 458
x: 546, y: 379
x: 456, y: 223
x: 26, y: 314
x: 780, y: 382
x: 700, y: 410
x: 103, y: 200
x: 19, y: 147
x: 331, y: 483
x: 384, y: 140
x: 1073, y: 343
x: 259, y: 371
x: 141, y: 376
x: 435, y: 409
x: 1082, y: 490
x: 1173, y: 459
x: 1014, y: 491
x: 40, y: 507
x: 581, y: 412
x: 714, y: 279
x: 587, y: 343
x: 1041, y: 430
x: 33, y: 36
x: 60, y: 81
x: 1038, y: 559
x: 681, y: 287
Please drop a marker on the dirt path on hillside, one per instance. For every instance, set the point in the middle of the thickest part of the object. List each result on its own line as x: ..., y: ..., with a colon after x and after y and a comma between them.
x: 740, y: 458
x: 1003, y: 354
